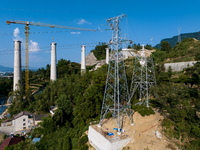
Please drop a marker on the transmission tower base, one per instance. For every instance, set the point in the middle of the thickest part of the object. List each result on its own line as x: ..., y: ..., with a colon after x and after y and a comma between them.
x: 100, y: 139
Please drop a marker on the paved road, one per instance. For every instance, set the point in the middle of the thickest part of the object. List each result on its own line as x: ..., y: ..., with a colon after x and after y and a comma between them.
x: 7, y: 130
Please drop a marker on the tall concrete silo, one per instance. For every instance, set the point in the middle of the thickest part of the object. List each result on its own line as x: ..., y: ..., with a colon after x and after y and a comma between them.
x: 107, y: 55
x: 17, y: 65
x: 53, y: 62
x: 83, y: 66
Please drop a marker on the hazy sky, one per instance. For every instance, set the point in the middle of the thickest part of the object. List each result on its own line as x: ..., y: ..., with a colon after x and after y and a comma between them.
x: 145, y: 19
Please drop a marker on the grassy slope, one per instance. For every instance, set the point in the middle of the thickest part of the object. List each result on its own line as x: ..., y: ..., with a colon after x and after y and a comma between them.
x: 184, y: 51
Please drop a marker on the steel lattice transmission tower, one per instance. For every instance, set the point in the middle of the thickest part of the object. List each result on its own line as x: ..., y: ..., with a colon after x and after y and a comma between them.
x: 143, y: 77
x: 116, y: 95
x: 179, y: 35
x: 151, y: 41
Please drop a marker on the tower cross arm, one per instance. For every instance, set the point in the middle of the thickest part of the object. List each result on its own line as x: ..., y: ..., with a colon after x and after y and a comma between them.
x: 118, y: 17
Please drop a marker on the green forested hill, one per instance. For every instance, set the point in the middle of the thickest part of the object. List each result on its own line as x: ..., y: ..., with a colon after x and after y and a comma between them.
x: 173, y: 40
x: 79, y: 99
x: 187, y: 50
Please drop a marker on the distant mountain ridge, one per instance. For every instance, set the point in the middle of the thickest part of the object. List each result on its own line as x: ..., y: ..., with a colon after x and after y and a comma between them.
x: 9, y: 69
x: 6, y: 69
x: 174, y: 39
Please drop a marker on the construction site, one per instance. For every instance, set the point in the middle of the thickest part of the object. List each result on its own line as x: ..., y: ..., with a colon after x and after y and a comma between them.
x: 146, y: 133
x: 116, y: 96
x: 118, y: 124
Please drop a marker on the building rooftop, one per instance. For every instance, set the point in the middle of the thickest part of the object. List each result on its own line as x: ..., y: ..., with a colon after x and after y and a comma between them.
x: 21, y: 114
x: 10, y: 141
x: 39, y: 117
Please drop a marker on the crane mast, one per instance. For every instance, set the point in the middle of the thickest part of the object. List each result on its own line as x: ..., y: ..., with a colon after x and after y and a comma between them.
x: 27, y: 23
x: 27, y: 57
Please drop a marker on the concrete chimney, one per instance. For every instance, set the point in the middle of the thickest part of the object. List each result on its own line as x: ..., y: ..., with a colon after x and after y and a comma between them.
x: 17, y: 65
x: 53, y: 62
x: 107, y: 55
x: 83, y: 66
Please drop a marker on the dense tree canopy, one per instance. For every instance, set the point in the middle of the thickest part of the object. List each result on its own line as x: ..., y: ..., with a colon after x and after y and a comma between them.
x: 5, y: 86
x: 100, y: 51
x: 165, y: 46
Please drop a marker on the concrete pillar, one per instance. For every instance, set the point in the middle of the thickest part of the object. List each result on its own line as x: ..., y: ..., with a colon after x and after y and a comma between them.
x: 53, y: 62
x: 125, y: 53
x: 17, y: 65
x: 107, y: 55
x: 83, y: 66
x: 142, y: 47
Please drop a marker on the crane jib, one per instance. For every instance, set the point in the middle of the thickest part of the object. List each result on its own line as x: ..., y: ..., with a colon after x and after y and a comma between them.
x: 47, y: 25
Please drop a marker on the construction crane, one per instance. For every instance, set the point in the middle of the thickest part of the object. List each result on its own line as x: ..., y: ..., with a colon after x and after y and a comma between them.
x: 27, y: 23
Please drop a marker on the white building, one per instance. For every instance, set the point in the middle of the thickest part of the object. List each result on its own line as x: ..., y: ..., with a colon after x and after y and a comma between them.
x: 23, y: 121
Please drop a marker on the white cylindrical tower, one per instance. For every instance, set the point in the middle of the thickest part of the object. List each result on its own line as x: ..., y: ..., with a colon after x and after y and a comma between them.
x: 125, y: 53
x: 17, y: 65
x: 53, y: 62
x: 107, y: 55
x: 83, y: 66
x: 142, y: 47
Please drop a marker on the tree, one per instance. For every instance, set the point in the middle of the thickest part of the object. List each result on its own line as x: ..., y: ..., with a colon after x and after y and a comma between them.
x: 47, y: 124
x: 100, y: 51
x: 148, y: 47
x: 165, y: 46
x: 197, y: 56
x: 67, y: 145
x: 169, y: 72
x: 83, y: 140
x: 47, y: 74
x: 137, y: 47
x: 195, y: 78
x: 64, y: 111
x: 5, y: 86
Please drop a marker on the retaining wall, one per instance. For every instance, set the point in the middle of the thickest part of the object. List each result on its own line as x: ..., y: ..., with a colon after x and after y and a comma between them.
x: 179, y: 65
x: 99, y: 142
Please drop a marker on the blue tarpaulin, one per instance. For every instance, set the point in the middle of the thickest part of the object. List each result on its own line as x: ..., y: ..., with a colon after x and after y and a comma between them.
x: 117, y: 129
x: 35, y: 140
x: 110, y: 133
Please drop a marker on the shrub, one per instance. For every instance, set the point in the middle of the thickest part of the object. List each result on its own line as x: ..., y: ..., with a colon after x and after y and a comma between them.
x: 143, y: 110
x: 85, y: 147
x: 83, y: 141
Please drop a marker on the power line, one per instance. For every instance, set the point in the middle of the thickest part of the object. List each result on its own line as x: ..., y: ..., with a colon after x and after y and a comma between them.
x: 58, y: 11
x: 48, y: 50
x: 39, y: 49
x: 54, y: 18
x: 133, y: 31
x: 35, y: 32
x: 42, y: 32
x: 65, y: 45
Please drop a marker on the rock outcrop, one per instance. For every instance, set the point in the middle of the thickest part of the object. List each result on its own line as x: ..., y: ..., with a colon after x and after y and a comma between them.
x: 92, y: 60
